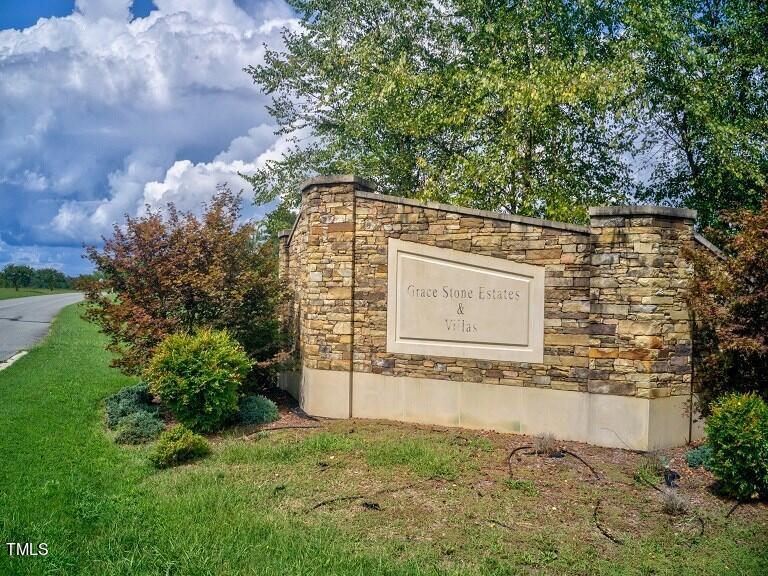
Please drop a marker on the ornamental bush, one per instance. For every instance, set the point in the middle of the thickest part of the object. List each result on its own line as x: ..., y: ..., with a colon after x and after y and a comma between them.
x: 171, y: 271
x: 729, y: 301
x: 177, y: 445
x: 737, y: 431
x: 139, y: 427
x: 127, y: 401
x: 198, y: 376
x: 699, y: 456
x: 257, y: 410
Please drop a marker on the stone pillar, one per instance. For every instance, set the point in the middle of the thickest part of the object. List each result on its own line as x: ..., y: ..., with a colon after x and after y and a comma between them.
x: 328, y: 204
x: 283, y: 254
x: 640, y: 332
x: 287, y: 311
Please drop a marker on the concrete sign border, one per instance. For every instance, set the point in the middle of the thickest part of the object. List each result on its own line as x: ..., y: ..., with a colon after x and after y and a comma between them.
x: 533, y: 352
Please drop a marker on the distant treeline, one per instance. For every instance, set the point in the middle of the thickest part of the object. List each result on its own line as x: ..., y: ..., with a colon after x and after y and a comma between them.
x: 20, y: 276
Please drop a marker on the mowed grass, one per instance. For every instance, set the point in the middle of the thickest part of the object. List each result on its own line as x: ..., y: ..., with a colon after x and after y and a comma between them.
x: 7, y: 293
x: 349, y: 497
x: 103, y: 510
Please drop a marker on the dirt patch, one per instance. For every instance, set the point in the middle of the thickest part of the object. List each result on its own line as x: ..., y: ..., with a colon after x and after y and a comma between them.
x: 290, y: 412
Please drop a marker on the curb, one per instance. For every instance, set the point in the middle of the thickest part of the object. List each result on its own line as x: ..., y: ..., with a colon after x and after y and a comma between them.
x: 12, y: 359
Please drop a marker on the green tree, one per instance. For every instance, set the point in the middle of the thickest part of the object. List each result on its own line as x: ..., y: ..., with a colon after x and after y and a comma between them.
x: 529, y: 106
x: 704, y: 102
x: 281, y: 218
x: 498, y: 105
x: 18, y: 276
x: 49, y: 278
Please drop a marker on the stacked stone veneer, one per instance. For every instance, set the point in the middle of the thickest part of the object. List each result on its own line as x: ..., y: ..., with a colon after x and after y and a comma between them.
x: 640, y: 331
x: 615, y: 320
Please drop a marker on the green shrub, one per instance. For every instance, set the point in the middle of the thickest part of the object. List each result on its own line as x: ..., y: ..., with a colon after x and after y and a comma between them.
x: 257, y: 410
x: 700, y: 456
x: 127, y: 401
x: 198, y: 377
x: 177, y: 445
x: 139, y: 427
x: 737, y: 430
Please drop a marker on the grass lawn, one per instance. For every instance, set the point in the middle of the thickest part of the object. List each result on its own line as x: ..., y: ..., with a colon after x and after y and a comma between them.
x: 7, y: 293
x: 414, y: 499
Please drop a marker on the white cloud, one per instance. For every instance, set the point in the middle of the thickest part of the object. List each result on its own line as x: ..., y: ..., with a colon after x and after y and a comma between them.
x: 28, y: 180
x: 28, y: 255
x: 100, y: 114
x: 112, y: 9
x: 213, y: 10
x: 68, y: 260
x: 136, y: 64
x: 186, y: 184
x: 34, y: 181
x: 88, y: 220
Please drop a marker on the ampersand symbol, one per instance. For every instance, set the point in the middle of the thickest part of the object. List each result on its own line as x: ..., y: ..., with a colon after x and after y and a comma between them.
x: 461, y: 309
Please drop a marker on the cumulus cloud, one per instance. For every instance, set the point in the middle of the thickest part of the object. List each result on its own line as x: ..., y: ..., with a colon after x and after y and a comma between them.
x: 112, y: 9
x: 87, y: 220
x: 187, y: 185
x: 101, y: 114
x: 140, y: 183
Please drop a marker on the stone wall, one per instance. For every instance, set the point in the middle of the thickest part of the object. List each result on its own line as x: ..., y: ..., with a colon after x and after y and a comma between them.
x: 615, y: 322
x: 562, y: 249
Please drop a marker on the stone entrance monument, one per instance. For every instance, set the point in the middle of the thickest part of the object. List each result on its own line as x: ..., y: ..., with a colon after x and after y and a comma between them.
x: 431, y: 313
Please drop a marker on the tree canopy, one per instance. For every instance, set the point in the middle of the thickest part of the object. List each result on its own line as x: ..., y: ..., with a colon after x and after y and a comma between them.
x: 704, y: 102
x: 18, y: 275
x: 538, y: 107
x: 49, y: 278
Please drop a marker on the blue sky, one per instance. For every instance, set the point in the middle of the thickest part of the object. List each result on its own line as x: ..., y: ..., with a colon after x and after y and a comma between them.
x: 109, y: 105
x: 16, y: 14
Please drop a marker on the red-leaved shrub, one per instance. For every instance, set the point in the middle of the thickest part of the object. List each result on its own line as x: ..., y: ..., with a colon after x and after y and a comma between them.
x: 729, y: 299
x: 168, y: 272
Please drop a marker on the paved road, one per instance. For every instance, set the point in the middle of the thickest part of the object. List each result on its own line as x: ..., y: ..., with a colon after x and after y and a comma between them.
x: 24, y: 321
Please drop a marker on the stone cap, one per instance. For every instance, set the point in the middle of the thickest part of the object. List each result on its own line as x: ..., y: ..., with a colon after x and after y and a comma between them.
x: 707, y: 244
x: 336, y: 179
x: 526, y: 220
x: 648, y: 210
x: 283, y: 233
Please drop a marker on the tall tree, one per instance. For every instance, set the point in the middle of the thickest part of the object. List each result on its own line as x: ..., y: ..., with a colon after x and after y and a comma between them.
x: 496, y: 104
x: 531, y: 106
x: 704, y: 96
x: 18, y: 275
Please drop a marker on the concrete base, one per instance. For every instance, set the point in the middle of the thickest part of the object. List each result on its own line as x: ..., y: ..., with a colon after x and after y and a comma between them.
x: 599, y: 419
x: 290, y: 382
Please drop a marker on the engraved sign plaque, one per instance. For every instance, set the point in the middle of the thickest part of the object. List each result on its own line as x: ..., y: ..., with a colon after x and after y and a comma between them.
x: 443, y: 302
